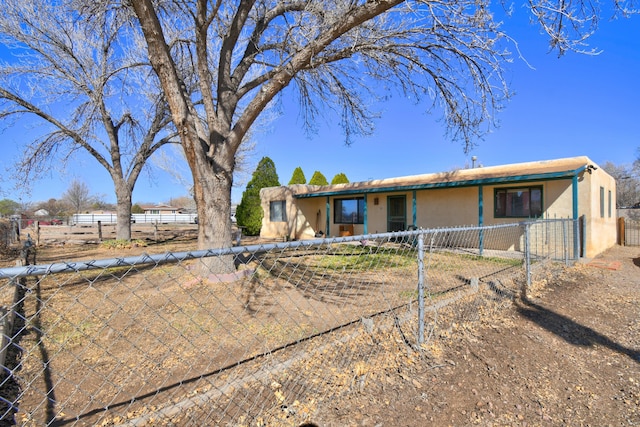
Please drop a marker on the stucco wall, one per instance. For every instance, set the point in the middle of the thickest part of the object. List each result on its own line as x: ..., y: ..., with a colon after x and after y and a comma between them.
x: 377, y: 213
x: 301, y: 217
x: 600, y: 230
x: 447, y: 207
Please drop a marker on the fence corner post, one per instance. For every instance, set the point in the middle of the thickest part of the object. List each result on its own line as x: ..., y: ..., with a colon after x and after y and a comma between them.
x: 420, y: 289
x: 565, y: 242
x: 621, y: 232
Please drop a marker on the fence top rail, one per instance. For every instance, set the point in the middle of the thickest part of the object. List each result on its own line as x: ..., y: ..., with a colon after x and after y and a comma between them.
x: 174, y: 257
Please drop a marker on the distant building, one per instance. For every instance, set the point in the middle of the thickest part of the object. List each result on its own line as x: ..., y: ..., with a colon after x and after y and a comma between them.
x: 161, y: 209
x: 563, y: 188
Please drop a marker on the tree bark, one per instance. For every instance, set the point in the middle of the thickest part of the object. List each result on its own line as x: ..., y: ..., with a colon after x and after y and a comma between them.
x: 123, y: 211
x: 211, y: 158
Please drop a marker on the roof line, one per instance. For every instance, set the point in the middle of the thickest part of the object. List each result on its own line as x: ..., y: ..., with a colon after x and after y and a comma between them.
x: 450, y: 184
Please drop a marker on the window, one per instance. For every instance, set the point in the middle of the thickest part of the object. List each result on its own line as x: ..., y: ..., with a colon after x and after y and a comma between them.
x: 278, y: 211
x: 609, y: 203
x: 348, y: 211
x: 601, y: 202
x: 524, y: 202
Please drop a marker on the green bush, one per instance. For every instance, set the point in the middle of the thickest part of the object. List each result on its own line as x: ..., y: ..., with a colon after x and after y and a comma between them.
x: 298, y: 177
x: 249, y: 212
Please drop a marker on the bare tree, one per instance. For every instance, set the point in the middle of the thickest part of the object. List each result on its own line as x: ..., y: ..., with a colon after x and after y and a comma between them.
x: 55, y: 208
x: 247, y: 52
x: 335, y: 53
x: 570, y: 24
x: 627, y: 183
x: 77, y: 196
x: 89, y: 84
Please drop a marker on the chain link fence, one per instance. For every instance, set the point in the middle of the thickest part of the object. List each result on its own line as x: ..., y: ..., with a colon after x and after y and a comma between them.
x: 174, y: 339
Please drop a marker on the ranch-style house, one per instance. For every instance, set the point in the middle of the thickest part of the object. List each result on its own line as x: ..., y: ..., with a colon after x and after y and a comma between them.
x: 574, y: 188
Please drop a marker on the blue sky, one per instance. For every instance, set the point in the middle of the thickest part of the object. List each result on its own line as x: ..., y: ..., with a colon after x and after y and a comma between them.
x: 563, y: 107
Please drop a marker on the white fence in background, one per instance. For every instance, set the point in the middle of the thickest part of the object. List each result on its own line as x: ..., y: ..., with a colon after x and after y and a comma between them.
x: 80, y: 219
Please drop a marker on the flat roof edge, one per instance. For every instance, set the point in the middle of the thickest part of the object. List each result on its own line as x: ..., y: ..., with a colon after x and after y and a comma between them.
x: 451, y: 184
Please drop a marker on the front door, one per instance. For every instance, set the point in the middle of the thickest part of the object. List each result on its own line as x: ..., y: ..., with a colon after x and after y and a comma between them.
x: 396, y: 213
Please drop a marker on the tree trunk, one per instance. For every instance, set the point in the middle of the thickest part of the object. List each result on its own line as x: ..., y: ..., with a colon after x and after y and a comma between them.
x: 212, y: 193
x: 210, y: 153
x: 123, y: 211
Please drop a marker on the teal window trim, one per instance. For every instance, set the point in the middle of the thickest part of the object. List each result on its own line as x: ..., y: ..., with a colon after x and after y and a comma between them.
x: 601, y: 202
x: 500, y: 207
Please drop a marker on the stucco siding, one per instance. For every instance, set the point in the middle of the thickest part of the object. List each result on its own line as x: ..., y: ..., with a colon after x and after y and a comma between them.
x: 447, y: 207
x: 299, y: 215
x: 377, y: 211
x: 600, y: 219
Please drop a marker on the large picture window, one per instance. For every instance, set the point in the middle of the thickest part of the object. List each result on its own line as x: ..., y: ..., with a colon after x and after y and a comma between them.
x: 348, y: 211
x: 521, y: 202
x: 278, y: 211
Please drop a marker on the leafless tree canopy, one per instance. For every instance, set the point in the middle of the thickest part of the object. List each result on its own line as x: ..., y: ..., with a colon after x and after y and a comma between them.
x: 627, y: 183
x: 87, y: 83
x: 77, y: 196
x: 569, y: 23
x: 339, y: 55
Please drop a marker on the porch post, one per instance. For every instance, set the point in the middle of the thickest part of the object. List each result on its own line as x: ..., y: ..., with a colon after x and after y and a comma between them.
x: 576, y: 225
x: 328, y: 209
x: 481, y: 219
x: 366, y: 221
x: 414, y: 209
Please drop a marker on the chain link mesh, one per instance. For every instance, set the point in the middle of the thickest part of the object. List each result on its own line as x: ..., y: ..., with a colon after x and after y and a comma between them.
x: 171, y: 340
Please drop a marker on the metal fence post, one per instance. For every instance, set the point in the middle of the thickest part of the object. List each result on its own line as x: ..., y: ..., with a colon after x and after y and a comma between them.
x: 420, y: 288
x: 565, y: 242
x: 527, y: 252
x: 583, y: 240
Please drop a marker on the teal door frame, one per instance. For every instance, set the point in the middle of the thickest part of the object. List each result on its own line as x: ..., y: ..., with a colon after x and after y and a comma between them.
x: 395, y: 219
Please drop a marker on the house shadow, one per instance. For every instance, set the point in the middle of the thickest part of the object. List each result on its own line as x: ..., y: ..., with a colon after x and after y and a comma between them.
x: 569, y: 330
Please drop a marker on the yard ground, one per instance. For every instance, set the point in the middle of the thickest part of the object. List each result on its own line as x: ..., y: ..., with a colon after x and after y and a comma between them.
x: 566, y: 355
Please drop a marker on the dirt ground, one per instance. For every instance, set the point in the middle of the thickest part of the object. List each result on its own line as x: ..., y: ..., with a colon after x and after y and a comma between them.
x: 567, y: 354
